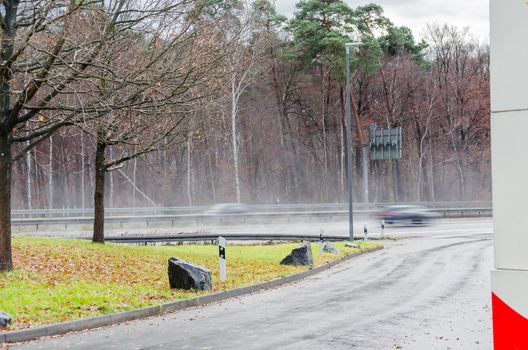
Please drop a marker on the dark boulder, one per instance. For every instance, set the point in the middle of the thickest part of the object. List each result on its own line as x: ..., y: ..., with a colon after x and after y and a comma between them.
x: 5, y: 319
x: 330, y: 248
x: 299, y: 256
x: 184, y: 275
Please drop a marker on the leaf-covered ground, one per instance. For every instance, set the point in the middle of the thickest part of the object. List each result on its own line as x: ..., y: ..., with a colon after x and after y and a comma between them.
x: 58, y: 280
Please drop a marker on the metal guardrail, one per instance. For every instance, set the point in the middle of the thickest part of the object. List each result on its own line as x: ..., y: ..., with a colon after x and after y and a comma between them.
x: 229, y: 219
x: 229, y: 237
x: 263, y: 208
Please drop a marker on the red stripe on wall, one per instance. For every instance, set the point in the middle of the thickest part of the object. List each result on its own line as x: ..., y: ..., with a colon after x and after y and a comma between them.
x: 510, y: 329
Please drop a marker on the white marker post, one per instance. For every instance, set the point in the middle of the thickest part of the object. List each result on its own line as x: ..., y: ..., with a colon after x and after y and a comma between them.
x: 365, y: 233
x: 382, y: 229
x: 221, y: 254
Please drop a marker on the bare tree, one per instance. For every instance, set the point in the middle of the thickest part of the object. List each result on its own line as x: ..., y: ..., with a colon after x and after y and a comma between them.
x: 131, y: 137
x: 460, y: 71
x: 39, y: 61
x: 169, y: 75
x: 246, y: 49
x: 50, y: 50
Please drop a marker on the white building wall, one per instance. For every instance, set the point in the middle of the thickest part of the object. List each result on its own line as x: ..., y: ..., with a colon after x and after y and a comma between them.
x: 509, y: 139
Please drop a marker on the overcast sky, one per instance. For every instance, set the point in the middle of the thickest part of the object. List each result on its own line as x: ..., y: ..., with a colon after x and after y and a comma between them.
x: 415, y: 14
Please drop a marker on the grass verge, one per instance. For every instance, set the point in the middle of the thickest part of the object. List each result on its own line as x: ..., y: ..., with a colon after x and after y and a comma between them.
x: 58, y: 280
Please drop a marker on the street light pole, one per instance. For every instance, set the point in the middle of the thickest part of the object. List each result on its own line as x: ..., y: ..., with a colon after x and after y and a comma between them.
x: 349, y: 143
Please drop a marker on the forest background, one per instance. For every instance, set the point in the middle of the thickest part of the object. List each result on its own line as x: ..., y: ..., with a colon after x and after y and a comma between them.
x: 264, y: 119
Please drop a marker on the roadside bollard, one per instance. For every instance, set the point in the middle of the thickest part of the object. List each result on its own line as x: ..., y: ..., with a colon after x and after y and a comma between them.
x: 321, y: 241
x: 221, y: 254
x: 365, y: 232
x: 382, y: 229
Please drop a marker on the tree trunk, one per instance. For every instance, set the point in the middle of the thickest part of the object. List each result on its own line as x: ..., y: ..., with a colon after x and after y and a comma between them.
x: 111, y: 178
x: 432, y: 169
x: 29, y: 197
x: 234, y: 111
x: 9, y: 17
x: 297, y: 177
x: 83, y: 189
x: 189, y: 171
x: 6, y: 262
x: 50, y: 174
x: 38, y: 179
x: 66, y: 194
x: 134, y: 179
x: 396, y: 179
x: 326, y: 98
x: 100, y: 172
x: 211, y: 177
x: 278, y: 96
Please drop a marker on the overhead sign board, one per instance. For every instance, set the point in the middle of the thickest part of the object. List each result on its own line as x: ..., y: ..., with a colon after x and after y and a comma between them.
x: 385, y: 143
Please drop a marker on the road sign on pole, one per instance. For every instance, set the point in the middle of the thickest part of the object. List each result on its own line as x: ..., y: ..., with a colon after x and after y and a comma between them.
x: 509, y: 120
x: 385, y: 143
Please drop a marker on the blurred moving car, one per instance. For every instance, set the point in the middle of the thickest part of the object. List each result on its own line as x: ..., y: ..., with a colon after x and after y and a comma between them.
x: 228, y: 209
x: 405, y: 215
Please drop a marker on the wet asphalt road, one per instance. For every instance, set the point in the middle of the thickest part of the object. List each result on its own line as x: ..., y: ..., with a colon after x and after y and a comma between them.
x: 427, y: 292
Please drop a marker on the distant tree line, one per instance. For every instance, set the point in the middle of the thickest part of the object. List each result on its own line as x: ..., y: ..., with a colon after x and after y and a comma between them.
x: 178, y: 102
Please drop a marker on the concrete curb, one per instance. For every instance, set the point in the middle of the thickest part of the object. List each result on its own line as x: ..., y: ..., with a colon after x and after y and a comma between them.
x: 107, y: 320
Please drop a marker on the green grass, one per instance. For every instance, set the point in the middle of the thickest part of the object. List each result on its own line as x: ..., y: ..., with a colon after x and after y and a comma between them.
x: 58, y: 280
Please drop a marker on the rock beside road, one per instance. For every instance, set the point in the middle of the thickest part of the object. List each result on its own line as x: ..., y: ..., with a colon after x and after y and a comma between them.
x: 185, y: 275
x: 330, y: 248
x: 299, y: 256
x: 5, y: 319
x: 351, y: 245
